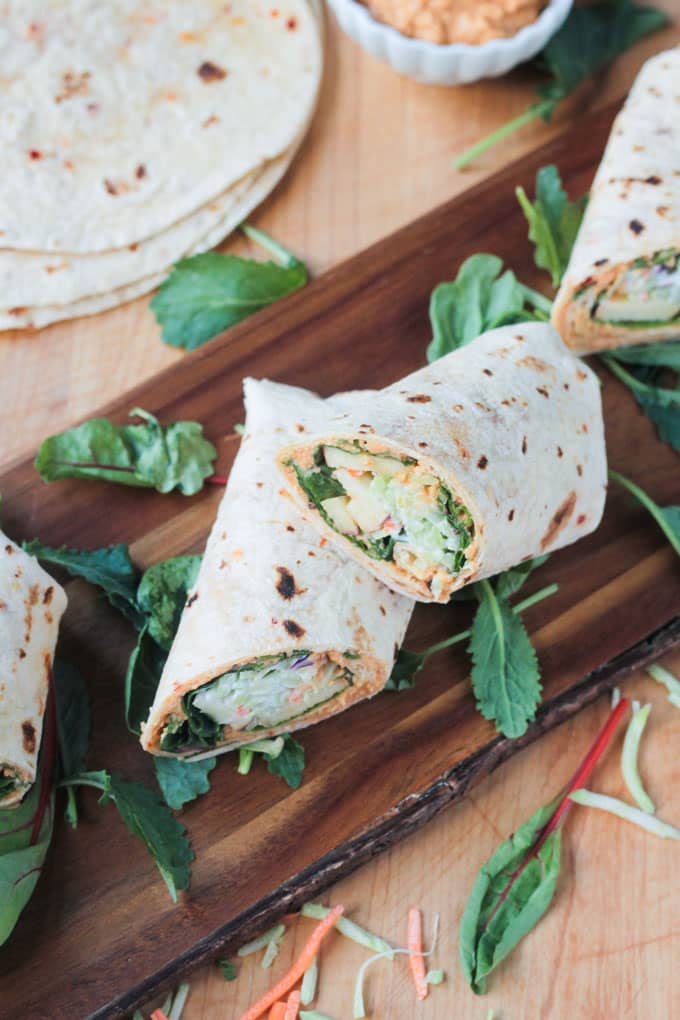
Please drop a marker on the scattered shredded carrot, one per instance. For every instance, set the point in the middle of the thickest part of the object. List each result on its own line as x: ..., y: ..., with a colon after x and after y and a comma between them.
x: 292, y: 1006
x: 278, y: 1011
x: 322, y: 541
x: 303, y: 961
x: 158, y: 1014
x: 415, y: 949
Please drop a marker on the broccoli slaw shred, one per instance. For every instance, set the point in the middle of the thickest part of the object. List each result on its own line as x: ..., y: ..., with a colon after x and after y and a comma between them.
x: 643, y: 294
x: 391, y: 507
x: 262, y: 694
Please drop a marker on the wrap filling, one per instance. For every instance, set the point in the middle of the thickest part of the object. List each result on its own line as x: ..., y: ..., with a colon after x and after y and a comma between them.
x: 262, y: 694
x: 392, y: 508
x: 646, y: 293
x: 9, y: 781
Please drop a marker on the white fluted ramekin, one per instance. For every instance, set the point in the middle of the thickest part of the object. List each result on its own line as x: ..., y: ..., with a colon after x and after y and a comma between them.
x: 454, y: 64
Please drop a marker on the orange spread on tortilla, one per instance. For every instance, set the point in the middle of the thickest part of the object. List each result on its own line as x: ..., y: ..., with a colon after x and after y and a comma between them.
x: 451, y: 21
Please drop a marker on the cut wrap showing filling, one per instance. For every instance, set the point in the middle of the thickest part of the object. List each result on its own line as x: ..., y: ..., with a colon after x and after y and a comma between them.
x: 10, y: 780
x: 256, y: 696
x: 392, y: 508
x: 646, y: 293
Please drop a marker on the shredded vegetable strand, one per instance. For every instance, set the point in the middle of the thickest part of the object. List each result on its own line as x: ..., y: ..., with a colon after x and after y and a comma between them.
x: 350, y: 929
x: 270, y: 953
x: 435, y: 977
x: 158, y: 1014
x: 292, y: 1006
x: 629, y: 759
x: 359, y: 1010
x: 671, y: 684
x: 309, y: 982
x: 312, y: 1014
x: 277, y: 1012
x: 630, y: 814
x: 299, y: 967
x: 262, y: 941
x: 180, y: 1000
x: 415, y: 948
x: 616, y: 696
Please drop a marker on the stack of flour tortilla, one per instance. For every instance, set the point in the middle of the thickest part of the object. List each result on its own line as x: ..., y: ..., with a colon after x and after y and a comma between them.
x: 134, y: 134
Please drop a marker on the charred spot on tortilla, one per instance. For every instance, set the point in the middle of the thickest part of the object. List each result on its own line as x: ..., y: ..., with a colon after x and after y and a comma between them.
x: 210, y: 72
x: 579, y: 470
x: 511, y: 515
x: 423, y: 445
x: 560, y: 451
x: 600, y: 262
x: 559, y: 519
x: 636, y: 226
x: 482, y: 462
x: 47, y: 595
x: 524, y: 444
x: 419, y: 398
x: 190, y: 601
x: 543, y: 391
x: 289, y: 527
x: 9, y: 549
x: 487, y: 371
x: 382, y: 610
x: 22, y: 653
x: 293, y: 628
x: 299, y: 428
x: 286, y: 585
x: 28, y: 736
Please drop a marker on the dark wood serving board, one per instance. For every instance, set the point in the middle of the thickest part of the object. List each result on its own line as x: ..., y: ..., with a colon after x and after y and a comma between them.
x: 100, y: 934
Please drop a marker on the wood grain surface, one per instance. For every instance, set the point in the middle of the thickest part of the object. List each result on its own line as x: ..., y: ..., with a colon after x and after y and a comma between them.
x: 379, y: 153
x: 376, y: 772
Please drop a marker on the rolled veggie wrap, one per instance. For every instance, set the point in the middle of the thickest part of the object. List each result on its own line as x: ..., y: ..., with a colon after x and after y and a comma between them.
x: 487, y: 457
x: 622, y: 284
x: 280, y: 631
x: 31, y: 606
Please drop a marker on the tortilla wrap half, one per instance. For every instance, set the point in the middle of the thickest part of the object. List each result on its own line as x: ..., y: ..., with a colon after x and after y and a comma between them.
x: 280, y: 631
x: 119, y: 119
x: 487, y: 457
x: 31, y: 606
x: 622, y: 284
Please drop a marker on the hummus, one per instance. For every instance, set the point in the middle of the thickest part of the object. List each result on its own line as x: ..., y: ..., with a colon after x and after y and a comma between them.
x: 456, y: 21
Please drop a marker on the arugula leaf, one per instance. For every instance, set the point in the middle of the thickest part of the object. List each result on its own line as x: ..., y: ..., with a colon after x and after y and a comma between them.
x: 481, y: 297
x: 110, y: 568
x: 288, y: 763
x: 667, y: 517
x: 590, y: 38
x: 21, y: 863
x: 553, y: 221
x: 505, y: 674
x: 182, y: 781
x: 227, y: 969
x: 492, y: 926
x: 146, y: 455
x: 162, y: 594
x: 510, y: 581
x: 206, y: 294
x: 406, y: 667
x: 661, y: 404
x: 143, y: 675
x: 663, y: 355
x: 73, y: 727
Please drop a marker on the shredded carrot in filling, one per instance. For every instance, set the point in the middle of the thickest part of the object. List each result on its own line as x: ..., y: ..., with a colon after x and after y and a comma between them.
x: 415, y: 948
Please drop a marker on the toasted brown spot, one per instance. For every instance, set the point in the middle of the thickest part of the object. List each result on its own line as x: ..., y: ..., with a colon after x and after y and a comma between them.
x: 300, y: 428
x: 636, y: 226
x: 663, y: 210
x: 579, y: 470
x: 311, y: 553
x: 47, y: 595
x: 209, y: 121
x: 28, y: 736
x: 140, y: 172
x: 48, y: 616
x: 210, y: 72
x: 580, y: 374
x: 457, y: 407
x: 482, y: 462
x: 286, y: 585
x: 293, y: 628
x: 524, y: 444
x: 543, y: 391
x: 222, y: 565
x: 600, y: 262
x: 566, y: 385
x: 558, y: 521
x: 487, y: 371
x: 382, y: 610
x: 511, y: 515
x: 529, y: 361
x: 10, y: 550
x: 22, y: 653
x: 423, y: 444
x: 560, y: 452
x: 518, y: 336
x: 289, y: 527
x: 190, y: 601
x: 419, y: 398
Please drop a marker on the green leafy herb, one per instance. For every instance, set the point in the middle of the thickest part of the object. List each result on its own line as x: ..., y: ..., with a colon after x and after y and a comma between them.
x: 21, y: 862
x: 144, y: 455
x: 661, y: 404
x: 162, y: 594
x: 206, y: 294
x: 182, y: 781
x: 481, y: 297
x: 667, y: 517
x: 553, y: 221
x: 142, y: 678
x: 505, y: 673
x: 662, y: 355
x: 73, y: 727
x: 289, y: 763
x: 515, y: 887
x: 147, y: 817
x: 227, y: 969
x: 590, y: 39
x: 111, y: 569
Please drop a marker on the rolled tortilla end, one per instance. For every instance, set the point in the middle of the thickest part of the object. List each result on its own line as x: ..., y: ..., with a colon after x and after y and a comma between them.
x: 490, y: 456
x: 31, y: 606
x: 622, y: 284
x: 279, y: 631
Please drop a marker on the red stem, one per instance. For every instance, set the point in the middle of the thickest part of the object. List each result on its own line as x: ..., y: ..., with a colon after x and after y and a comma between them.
x: 579, y: 778
x: 217, y: 480
x: 49, y: 757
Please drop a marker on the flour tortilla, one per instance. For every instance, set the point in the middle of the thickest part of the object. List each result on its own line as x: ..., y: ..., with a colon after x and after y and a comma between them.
x: 633, y: 210
x: 261, y: 183
x: 236, y: 613
x: 31, y: 606
x: 117, y: 120
x: 511, y: 424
